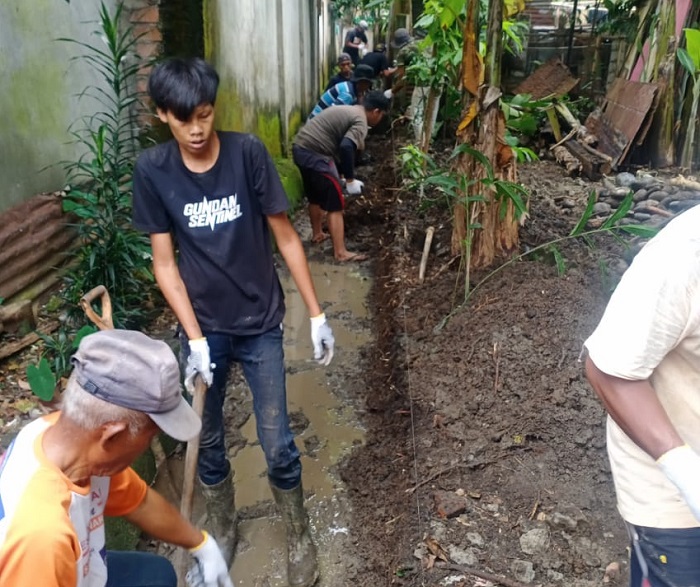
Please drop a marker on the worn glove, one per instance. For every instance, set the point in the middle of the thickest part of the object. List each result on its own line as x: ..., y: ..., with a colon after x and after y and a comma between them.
x: 354, y: 187
x: 682, y: 466
x: 198, y: 361
x: 388, y: 94
x: 322, y: 339
x: 210, y: 569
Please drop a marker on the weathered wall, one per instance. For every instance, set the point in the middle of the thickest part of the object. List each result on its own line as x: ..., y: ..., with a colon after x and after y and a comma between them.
x: 39, y: 82
x: 272, y: 58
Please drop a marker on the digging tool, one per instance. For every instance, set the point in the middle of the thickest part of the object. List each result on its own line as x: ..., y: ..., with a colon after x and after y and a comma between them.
x: 104, y: 321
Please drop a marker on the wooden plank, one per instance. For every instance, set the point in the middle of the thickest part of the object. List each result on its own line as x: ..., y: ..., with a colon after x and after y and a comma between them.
x: 621, y: 118
x: 552, y: 78
x: 592, y: 165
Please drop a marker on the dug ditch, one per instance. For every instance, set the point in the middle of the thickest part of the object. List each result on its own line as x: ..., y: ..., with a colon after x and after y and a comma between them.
x: 324, y: 418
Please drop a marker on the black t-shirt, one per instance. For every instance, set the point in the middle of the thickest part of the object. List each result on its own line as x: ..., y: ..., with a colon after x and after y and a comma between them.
x: 376, y: 60
x: 218, y: 219
x: 350, y: 36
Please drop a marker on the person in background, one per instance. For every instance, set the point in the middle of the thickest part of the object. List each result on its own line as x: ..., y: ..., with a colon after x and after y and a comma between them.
x: 355, y: 41
x: 344, y: 71
x: 406, y: 49
x: 379, y: 63
x: 644, y: 363
x: 217, y: 198
x: 346, y: 93
x: 65, y: 472
x: 335, y: 133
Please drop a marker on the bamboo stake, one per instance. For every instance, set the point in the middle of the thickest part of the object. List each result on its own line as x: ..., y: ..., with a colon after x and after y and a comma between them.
x: 426, y: 250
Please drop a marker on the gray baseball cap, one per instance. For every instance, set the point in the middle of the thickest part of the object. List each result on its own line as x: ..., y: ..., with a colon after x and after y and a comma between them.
x: 131, y: 370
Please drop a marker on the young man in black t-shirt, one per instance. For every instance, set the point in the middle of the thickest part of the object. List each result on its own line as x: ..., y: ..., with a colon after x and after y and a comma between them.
x: 218, y: 196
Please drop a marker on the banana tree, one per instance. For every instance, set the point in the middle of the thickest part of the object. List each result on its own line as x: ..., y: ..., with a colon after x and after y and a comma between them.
x: 485, y: 224
x: 690, y: 60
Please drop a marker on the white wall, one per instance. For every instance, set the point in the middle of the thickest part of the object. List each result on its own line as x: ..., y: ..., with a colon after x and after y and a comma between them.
x: 270, y: 58
x: 37, y: 100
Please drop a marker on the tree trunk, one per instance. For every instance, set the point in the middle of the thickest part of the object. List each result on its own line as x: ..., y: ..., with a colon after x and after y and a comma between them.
x: 481, y: 230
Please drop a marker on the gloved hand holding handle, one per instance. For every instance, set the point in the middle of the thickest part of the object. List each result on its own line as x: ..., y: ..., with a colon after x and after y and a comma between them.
x: 210, y: 569
x: 682, y: 467
x: 198, y: 361
x: 322, y: 339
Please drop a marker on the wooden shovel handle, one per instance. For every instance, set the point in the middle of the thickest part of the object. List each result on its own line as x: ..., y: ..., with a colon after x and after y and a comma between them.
x: 103, y: 321
x: 192, y: 452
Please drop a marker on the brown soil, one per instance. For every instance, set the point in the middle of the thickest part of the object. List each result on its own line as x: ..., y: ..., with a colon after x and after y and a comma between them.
x: 483, y: 429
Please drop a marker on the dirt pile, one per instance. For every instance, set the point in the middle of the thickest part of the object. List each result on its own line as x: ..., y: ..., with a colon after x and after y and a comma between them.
x: 486, y: 446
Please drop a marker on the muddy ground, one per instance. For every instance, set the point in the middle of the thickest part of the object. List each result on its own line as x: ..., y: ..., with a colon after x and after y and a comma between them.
x: 486, y: 446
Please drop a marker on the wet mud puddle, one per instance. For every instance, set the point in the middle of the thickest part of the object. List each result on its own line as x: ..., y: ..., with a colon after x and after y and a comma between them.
x: 326, y: 425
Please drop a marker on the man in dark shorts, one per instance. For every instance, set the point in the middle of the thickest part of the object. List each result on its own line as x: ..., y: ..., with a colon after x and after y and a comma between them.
x: 335, y: 133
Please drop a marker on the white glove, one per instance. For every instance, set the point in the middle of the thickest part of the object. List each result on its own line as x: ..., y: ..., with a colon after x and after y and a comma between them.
x: 322, y: 339
x: 210, y: 569
x: 354, y: 187
x: 388, y: 94
x: 682, y: 466
x: 198, y: 361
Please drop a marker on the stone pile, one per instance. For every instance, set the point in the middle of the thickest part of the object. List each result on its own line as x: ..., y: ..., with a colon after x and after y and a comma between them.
x: 656, y: 199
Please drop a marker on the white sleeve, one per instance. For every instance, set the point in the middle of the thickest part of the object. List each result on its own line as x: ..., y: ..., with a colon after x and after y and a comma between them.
x: 649, y: 313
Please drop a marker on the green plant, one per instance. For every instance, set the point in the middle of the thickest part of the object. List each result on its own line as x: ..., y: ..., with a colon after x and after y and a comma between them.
x: 54, y: 363
x: 456, y: 186
x: 610, y: 227
x: 111, y: 253
x: 690, y: 60
x: 438, y: 62
x: 415, y: 166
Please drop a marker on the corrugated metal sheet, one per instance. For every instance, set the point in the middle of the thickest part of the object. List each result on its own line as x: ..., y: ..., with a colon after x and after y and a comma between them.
x: 34, y: 241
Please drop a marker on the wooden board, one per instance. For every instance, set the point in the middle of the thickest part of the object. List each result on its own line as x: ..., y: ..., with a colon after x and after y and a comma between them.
x: 552, y: 78
x: 623, y: 118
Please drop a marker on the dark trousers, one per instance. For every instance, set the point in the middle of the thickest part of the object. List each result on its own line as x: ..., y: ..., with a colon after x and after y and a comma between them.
x: 139, y: 569
x: 664, y: 557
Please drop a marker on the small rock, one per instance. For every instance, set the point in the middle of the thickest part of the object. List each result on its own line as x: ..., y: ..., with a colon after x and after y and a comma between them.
x: 555, y: 576
x: 463, y: 556
x: 567, y: 203
x: 475, y: 538
x: 640, y: 195
x: 641, y: 206
x: 625, y: 179
x: 641, y: 216
x: 601, y: 208
x: 559, y: 520
x: 449, y: 505
x: 612, y: 572
x: 523, y: 571
x: 535, y: 541
x: 644, y: 180
x: 620, y: 193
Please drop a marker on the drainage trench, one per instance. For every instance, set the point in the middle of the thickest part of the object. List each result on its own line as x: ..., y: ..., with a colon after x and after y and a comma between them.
x: 327, y: 426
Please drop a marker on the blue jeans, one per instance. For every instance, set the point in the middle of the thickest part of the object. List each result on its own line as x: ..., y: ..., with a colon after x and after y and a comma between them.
x: 664, y: 557
x: 262, y: 358
x: 139, y: 569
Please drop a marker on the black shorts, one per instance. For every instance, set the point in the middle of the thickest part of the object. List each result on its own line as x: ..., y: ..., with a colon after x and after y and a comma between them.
x: 321, y: 180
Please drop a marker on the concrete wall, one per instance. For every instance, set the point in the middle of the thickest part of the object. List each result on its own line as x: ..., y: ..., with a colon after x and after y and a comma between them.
x: 272, y: 56
x: 37, y: 99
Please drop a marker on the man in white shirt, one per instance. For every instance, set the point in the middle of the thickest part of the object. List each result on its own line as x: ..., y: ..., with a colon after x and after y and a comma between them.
x: 644, y: 363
